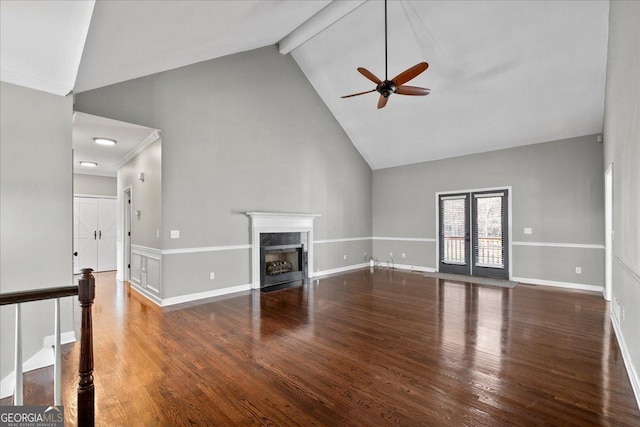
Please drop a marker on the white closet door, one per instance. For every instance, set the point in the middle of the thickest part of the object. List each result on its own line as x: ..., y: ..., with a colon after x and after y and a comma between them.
x: 85, y: 233
x: 107, y: 234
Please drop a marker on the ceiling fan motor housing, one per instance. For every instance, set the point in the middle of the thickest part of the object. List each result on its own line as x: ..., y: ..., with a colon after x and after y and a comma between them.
x: 386, y: 88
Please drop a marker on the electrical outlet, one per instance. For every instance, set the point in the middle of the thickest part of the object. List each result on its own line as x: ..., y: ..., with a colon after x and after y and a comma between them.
x: 175, y: 234
x: 391, y: 254
x: 157, y: 234
x: 345, y: 257
x: 212, y: 275
x: 578, y: 270
x: 528, y: 230
x: 404, y: 256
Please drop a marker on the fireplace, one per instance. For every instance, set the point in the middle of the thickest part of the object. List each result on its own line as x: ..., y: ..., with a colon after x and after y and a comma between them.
x: 282, y: 258
x: 270, y: 223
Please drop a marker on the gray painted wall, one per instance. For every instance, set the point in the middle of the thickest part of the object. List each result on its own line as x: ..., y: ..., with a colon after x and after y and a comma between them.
x: 557, y: 190
x: 35, y: 212
x: 246, y: 132
x: 94, y: 185
x: 145, y: 196
x: 622, y: 148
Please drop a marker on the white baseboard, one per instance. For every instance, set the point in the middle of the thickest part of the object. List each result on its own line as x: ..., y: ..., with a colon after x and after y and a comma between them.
x: 567, y: 285
x: 339, y: 270
x: 148, y: 295
x: 41, y: 359
x: 365, y: 265
x: 628, y: 363
x: 202, y: 295
x: 407, y: 267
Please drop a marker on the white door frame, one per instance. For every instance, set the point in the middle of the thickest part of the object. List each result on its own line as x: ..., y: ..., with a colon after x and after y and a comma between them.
x: 608, y: 233
x: 127, y: 194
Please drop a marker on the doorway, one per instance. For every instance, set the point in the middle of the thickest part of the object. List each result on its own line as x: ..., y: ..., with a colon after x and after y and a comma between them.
x: 473, y: 233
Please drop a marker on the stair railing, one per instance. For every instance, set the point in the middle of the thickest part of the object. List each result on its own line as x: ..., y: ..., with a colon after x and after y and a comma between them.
x: 86, y: 294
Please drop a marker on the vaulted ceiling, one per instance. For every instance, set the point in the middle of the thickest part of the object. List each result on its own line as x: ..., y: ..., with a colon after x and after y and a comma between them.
x: 501, y: 74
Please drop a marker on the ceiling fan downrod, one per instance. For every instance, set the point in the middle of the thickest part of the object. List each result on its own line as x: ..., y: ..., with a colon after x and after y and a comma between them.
x: 386, y: 49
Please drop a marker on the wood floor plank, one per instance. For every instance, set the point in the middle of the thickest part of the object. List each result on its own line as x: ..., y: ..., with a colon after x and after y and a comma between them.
x: 364, y: 348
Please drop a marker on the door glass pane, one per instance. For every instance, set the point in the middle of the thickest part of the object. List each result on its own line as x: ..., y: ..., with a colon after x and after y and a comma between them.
x: 489, y: 232
x: 453, y: 232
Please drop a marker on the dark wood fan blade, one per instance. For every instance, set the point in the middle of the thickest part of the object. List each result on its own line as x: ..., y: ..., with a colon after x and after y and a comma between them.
x: 409, y: 74
x: 368, y: 74
x: 359, y: 93
x: 412, y: 90
x: 382, y: 101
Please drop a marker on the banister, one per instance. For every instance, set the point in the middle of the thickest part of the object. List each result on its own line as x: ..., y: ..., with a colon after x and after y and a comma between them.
x: 86, y: 294
x: 86, y: 392
x: 37, y: 295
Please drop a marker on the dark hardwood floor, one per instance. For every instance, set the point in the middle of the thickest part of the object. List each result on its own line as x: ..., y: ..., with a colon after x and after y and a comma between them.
x: 363, y: 349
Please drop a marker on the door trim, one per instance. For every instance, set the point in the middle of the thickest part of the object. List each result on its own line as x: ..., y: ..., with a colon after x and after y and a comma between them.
x: 608, y: 233
x: 457, y: 267
x: 509, y: 188
x: 480, y: 270
x: 127, y: 194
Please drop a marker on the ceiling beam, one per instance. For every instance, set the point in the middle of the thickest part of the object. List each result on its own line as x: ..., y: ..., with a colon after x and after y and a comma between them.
x: 322, y: 20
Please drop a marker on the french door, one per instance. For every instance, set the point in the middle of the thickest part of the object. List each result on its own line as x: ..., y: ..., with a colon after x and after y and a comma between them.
x: 473, y: 233
x: 94, y: 234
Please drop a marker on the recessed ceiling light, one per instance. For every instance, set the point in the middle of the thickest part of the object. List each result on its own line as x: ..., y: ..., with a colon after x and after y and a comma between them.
x: 90, y: 164
x: 104, y: 141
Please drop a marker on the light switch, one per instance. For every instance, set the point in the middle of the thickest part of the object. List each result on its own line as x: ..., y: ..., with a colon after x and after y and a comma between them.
x: 175, y: 234
x: 527, y: 230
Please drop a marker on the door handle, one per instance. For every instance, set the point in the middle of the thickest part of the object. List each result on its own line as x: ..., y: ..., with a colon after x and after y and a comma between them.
x: 95, y: 234
x: 466, y: 237
x: 75, y: 253
x: 100, y: 234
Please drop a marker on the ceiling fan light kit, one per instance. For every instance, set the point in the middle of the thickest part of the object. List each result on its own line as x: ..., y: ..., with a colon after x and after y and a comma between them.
x: 387, y: 87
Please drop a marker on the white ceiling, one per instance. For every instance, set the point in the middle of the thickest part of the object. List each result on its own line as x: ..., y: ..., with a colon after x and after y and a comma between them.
x: 130, y: 138
x: 137, y: 38
x: 502, y: 74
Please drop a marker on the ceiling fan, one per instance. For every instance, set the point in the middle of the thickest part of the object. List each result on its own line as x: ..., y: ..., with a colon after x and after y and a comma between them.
x: 395, y: 85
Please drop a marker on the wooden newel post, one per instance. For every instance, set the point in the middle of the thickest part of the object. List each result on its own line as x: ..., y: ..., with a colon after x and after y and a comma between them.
x: 86, y: 294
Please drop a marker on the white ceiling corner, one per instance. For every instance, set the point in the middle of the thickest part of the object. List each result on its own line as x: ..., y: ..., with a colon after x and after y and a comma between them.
x: 322, y: 20
x: 41, y: 42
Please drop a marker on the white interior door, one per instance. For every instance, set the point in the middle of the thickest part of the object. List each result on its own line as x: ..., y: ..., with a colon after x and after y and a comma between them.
x: 85, y: 233
x: 107, y: 234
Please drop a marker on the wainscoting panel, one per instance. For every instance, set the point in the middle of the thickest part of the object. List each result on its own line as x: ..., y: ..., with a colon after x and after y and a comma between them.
x: 146, y: 269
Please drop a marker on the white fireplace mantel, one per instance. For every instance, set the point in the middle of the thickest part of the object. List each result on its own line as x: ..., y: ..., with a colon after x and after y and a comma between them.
x: 276, y: 222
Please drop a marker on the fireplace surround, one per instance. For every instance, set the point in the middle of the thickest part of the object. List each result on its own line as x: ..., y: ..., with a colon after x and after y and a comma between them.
x: 282, y: 258
x: 275, y: 222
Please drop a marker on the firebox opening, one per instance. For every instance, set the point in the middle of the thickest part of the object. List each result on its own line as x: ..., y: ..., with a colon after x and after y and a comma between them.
x: 278, y: 262
x: 282, y: 258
